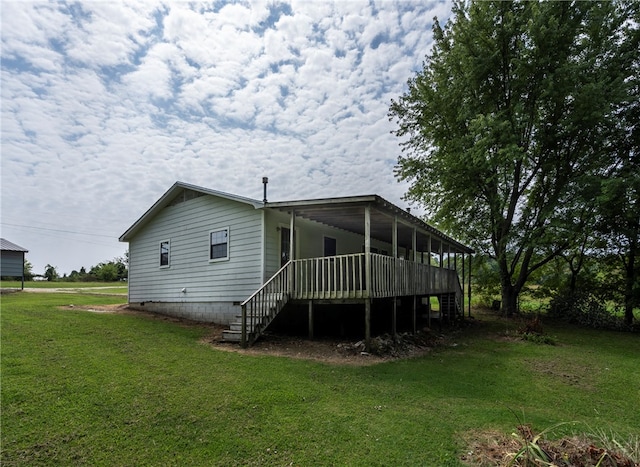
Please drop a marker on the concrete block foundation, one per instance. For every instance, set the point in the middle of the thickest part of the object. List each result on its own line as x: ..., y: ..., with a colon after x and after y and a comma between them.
x: 208, y: 312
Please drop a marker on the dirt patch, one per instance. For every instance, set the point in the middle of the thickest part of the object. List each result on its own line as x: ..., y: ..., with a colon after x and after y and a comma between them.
x: 122, y: 308
x: 494, y: 449
x: 581, y: 376
x: 336, y: 351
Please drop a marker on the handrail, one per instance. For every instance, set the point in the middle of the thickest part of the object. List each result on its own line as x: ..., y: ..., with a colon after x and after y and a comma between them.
x: 342, y: 277
x: 264, y: 304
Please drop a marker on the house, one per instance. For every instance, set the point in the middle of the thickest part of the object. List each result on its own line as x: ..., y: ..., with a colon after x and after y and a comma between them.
x: 212, y: 256
x: 12, y: 260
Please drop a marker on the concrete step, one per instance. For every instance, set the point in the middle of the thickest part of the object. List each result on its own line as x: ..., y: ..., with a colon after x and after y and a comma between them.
x: 237, y: 326
x: 231, y: 336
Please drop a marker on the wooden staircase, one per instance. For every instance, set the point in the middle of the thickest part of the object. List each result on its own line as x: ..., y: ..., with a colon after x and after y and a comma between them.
x: 259, y: 315
x: 448, y: 309
x: 259, y: 310
x: 451, y: 305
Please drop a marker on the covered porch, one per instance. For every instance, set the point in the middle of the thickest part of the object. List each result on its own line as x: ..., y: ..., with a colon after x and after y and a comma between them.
x: 420, y: 262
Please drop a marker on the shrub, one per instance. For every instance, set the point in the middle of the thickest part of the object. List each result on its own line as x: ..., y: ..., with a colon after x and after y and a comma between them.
x: 531, y: 330
x: 585, y: 309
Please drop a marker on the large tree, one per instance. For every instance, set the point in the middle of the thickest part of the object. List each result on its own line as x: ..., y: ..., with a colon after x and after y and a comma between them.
x: 508, y: 123
x: 619, y: 198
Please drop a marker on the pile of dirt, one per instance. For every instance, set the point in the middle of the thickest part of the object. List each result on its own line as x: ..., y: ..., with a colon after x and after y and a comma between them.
x: 402, y: 345
x: 338, y: 351
x: 494, y: 449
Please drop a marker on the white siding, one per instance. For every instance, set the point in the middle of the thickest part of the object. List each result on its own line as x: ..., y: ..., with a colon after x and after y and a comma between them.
x: 187, y: 225
x: 310, y: 240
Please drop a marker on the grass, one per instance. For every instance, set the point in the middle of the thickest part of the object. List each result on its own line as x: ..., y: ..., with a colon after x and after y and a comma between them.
x: 81, y: 388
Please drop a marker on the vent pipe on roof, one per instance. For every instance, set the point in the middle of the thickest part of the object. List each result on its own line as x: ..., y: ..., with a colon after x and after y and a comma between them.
x: 265, y: 180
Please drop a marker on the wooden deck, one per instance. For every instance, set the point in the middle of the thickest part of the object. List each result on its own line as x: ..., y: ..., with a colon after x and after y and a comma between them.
x: 338, y: 278
x: 344, y: 277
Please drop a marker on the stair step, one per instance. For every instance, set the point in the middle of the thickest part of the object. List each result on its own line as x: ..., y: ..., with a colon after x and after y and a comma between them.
x: 231, y: 336
x: 237, y: 326
x: 259, y: 313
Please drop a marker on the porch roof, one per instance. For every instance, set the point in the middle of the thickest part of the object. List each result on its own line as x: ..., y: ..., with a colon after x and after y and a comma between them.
x: 347, y: 213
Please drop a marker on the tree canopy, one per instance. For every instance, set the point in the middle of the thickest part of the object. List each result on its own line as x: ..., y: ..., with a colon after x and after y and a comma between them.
x: 512, y: 123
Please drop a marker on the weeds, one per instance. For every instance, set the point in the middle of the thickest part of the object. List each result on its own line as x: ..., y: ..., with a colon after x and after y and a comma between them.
x: 598, y: 448
x: 532, y: 452
x: 538, y: 338
x: 614, y: 443
x: 531, y: 330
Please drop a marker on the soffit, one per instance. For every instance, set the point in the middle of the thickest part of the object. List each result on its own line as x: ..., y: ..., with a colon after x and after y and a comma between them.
x: 349, y: 213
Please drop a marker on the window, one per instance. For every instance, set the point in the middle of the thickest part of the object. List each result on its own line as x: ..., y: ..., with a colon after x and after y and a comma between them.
x: 285, y: 245
x: 329, y: 246
x: 219, y: 245
x: 165, y: 248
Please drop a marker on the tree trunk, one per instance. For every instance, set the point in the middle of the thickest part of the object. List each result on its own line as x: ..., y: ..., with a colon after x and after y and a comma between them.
x: 629, y: 283
x: 509, y: 299
x: 573, y: 282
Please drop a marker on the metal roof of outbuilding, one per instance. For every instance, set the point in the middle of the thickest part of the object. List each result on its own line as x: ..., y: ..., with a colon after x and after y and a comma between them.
x: 6, y: 245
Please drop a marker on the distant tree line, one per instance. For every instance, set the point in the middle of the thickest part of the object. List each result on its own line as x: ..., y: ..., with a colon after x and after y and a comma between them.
x: 106, y: 271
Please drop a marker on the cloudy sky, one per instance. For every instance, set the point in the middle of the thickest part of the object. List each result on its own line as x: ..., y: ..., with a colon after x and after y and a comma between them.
x: 106, y: 104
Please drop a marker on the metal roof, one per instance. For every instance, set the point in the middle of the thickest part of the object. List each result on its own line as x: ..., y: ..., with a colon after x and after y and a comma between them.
x: 346, y: 213
x: 6, y: 245
x: 170, y: 195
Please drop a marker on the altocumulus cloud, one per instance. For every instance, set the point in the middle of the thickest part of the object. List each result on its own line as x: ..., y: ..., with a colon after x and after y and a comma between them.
x: 106, y: 104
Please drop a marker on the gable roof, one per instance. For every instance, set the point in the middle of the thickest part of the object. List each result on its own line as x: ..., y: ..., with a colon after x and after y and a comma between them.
x: 6, y: 245
x: 346, y: 213
x: 170, y: 195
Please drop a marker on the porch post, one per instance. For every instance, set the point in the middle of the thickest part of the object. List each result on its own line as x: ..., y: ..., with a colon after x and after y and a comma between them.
x: 414, y: 244
x: 414, y: 247
x: 394, y: 238
x: 414, y: 285
x: 394, y: 249
x: 367, y: 268
x: 429, y: 262
x: 292, y: 227
x: 463, y: 280
x: 415, y: 312
x: 310, y: 319
x: 292, y: 248
x: 469, y: 284
x: 394, y: 318
x: 441, y: 278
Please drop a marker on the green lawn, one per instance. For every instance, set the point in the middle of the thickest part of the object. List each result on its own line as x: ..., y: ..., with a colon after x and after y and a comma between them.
x: 82, y: 388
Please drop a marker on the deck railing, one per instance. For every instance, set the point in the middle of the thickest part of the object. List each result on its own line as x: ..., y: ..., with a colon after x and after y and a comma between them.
x: 265, y: 303
x: 334, y: 277
x: 344, y: 277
